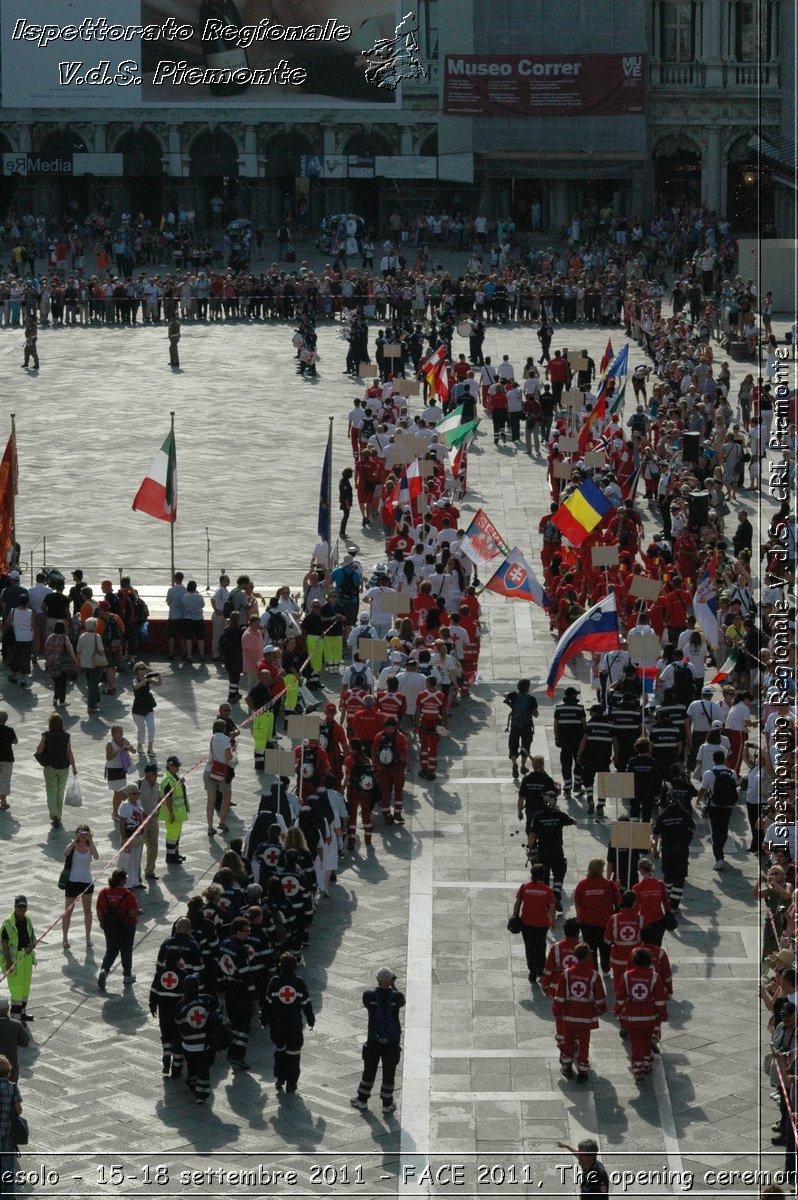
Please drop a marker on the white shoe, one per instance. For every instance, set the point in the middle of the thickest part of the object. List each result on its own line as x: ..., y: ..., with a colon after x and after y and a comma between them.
x: 719, y: 865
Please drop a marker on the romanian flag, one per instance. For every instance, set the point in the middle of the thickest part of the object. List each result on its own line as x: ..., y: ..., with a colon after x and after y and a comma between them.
x: 582, y: 512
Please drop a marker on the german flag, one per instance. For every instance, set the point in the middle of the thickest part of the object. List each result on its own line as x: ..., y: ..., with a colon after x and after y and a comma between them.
x: 581, y: 512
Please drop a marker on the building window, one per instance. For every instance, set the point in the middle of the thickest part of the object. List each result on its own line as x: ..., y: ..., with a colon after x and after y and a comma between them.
x: 752, y: 30
x: 677, y: 31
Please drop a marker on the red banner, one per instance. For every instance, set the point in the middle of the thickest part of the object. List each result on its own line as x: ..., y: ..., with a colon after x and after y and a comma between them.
x: 553, y: 85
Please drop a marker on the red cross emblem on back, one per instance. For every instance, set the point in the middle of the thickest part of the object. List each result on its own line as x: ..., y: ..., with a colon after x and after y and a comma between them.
x: 197, y: 1016
x: 290, y: 886
x: 169, y: 981
x: 287, y: 994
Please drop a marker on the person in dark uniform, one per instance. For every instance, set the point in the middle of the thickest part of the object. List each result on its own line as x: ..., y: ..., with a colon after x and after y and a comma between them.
x: 545, y: 334
x: 346, y: 498
x: 239, y: 990
x: 535, y: 785
x: 671, y: 835
x: 592, y: 1177
x: 383, y: 1041
x: 476, y: 341
x: 521, y: 723
x: 648, y: 781
x: 188, y: 949
x: 569, y: 729
x: 173, y: 333
x: 31, y: 337
x: 683, y: 790
x: 667, y: 742
x: 196, y: 1018
x: 595, y: 752
x: 676, y: 713
x: 546, y: 836
x: 287, y: 998
x: 622, y: 863
x: 626, y: 723
x: 166, y: 996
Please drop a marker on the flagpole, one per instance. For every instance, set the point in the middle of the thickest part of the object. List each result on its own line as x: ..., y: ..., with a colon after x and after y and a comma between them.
x: 172, y: 522
x: 12, y: 482
x: 329, y: 496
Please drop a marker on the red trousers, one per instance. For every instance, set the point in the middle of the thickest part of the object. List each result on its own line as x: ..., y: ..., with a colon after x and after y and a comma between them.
x: 429, y: 750
x: 362, y: 800
x: 641, y: 1036
x: 576, y: 1045
x: 736, y: 746
x: 392, y: 782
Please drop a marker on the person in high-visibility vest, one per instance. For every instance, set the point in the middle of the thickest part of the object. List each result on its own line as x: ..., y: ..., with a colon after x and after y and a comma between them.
x: 175, y: 808
x: 17, y: 943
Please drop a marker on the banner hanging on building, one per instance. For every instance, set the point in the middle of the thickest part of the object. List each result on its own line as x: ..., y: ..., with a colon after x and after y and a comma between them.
x: 552, y: 85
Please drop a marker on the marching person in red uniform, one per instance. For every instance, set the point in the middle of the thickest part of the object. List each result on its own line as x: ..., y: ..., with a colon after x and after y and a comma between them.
x: 389, y: 755
x: 312, y: 767
x: 653, y: 902
x: 536, y: 905
x: 361, y: 792
x: 430, y: 715
x: 641, y: 1005
x: 661, y: 964
x: 367, y: 722
x: 579, y: 1002
x: 595, y: 900
x: 560, y: 956
x: 623, y: 932
x: 391, y: 702
x: 333, y: 742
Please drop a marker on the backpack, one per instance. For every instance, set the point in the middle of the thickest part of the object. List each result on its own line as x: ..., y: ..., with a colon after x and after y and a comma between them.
x: 683, y: 683
x: 363, y: 776
x: 724, y: 789
x: 626, y: 531
x: 112, y: 638
x: 386, y: 755
x: 348, y: 586
x: 309, y: 765
x: 550, y: 532
x: 228, y: 607
x: 276, y: 626
x: 141, y: 609
x: 358, y: 680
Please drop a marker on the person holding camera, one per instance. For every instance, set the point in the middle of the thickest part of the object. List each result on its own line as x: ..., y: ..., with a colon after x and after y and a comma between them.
x: 143, y: 710
x: 382, y: 1045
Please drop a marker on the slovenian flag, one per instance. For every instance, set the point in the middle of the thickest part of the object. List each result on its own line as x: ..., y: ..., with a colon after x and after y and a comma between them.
x: 582, y: 512
x: 728, y: 668
x: 157, y: 495
x: 516, y: 580
x: 595, y: 631
x: 409, y: 487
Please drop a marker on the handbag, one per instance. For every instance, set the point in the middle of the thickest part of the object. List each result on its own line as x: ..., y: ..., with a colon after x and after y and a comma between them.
x: 98, y: 658
x: 20, y: 1134
x: 514, y: 925
x: 218, y: 772
x: 63, y: 878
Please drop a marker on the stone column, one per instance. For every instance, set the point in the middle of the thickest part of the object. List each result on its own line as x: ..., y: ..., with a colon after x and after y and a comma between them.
x: 711, y: 183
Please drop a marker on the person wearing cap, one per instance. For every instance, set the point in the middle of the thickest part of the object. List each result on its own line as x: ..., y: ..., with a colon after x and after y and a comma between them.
x: 390, y: 757
x: 333, y: 740
x: 174, y: 810
x: 569, y: 728
x: 150, y: 798
x: 383, y: 1041
x: 130, y: 817
x: 18, y: 948
x: 258, y: 701
x: 701, y: 714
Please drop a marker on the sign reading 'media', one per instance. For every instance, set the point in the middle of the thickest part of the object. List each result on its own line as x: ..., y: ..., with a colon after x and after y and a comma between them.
x: 21, y: 164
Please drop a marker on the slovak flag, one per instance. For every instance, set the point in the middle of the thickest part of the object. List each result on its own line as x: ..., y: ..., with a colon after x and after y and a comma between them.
x: 595, y: 631
x: 409, y: 487
x: 516, y: 580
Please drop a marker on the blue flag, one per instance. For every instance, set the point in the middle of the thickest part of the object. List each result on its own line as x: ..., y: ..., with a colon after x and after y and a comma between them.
x: 325, y: 493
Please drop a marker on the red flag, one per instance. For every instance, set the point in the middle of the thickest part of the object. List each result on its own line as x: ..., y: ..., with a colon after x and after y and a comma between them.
x: 607, y: 357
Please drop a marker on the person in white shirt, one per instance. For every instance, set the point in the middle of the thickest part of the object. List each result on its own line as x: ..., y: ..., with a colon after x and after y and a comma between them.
x: 757, y: 794
x: 359, y: 668
x: 381, y: 616
x: 505, y: 369
x: 715, y: 741
x: 396, y: 661
x: 218, y: 601
x: 736, y: 725
x: 432, y: 413
x: 702, y: 715
x: 612, y: 664
x: 411, y: 684
x: 20, y: 620
x: 363, y: 629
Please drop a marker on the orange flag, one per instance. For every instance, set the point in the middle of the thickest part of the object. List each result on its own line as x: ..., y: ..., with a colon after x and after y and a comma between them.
x: 9, y: 478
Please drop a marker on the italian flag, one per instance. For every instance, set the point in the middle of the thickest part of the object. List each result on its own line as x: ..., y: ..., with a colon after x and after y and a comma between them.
x: 728, y: 668
x: 618, y: 401
x: 157, y: 495
x: 450, y: 430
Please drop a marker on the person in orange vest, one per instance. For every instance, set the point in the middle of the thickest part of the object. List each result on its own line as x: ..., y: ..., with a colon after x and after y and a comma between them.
x: 623, y: 932
x: 641, y: 1005
x: 361, y: 792
x: 559, y: 957
x: 653, y: 902
x: 662, y: 965
x: 579, y: 1002
x: 389, y: 755
x: 428, y: 719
